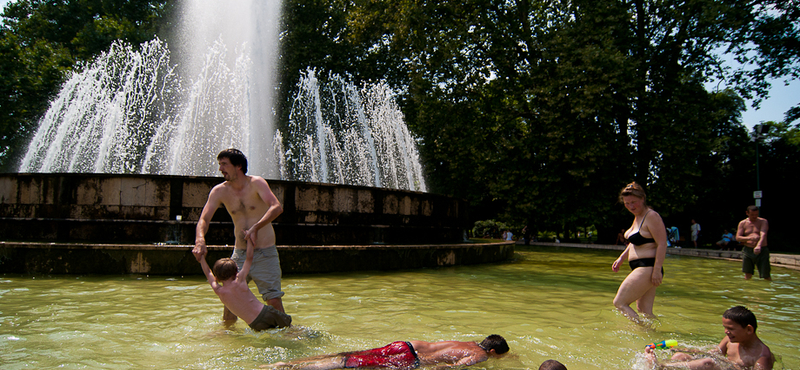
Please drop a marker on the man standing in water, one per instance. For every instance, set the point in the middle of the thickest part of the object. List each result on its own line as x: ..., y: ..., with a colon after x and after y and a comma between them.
x: 253, y: 207
x: 752, y: 233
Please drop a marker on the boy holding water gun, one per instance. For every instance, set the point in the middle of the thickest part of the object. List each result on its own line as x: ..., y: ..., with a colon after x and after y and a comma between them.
x: 740, y: 346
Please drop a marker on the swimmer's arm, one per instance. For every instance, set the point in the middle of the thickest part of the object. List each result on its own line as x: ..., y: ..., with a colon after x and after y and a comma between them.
x: 466, y: 361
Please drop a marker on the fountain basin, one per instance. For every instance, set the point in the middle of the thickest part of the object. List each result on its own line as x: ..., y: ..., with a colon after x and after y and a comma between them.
x: 147, y: 209
x: 64, y: 258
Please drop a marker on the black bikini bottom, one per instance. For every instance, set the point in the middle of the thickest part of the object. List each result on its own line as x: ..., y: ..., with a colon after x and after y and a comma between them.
x: 644, y: 262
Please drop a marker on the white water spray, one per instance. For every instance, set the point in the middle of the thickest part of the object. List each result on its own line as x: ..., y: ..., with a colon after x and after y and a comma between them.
x: 132, y: 110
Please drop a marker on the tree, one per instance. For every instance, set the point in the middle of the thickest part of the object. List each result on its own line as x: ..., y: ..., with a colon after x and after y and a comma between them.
x: 41, y: 41
x: 539, y: 108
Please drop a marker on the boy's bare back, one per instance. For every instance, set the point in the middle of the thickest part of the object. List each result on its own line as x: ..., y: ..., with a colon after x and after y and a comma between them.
x: 449, y: 352
x: 239, y: 299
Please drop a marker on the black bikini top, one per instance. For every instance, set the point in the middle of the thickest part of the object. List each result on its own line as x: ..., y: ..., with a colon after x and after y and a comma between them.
x: 637, y: 239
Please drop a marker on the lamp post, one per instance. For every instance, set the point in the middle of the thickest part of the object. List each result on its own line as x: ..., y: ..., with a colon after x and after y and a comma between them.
x: 759, y: 132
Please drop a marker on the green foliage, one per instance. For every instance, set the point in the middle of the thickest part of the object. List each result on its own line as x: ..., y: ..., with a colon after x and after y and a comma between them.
x: 489, y: 228
x: 540, y: 111
x: 535, y: 111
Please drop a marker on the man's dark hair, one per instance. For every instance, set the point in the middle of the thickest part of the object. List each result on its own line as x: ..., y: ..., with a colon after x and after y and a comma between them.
x: 225, y: 268
x: 495, y: 342
x: 741, y: 316
x: 752, y: 208
x: 552, y: 365
x: 236, y: 157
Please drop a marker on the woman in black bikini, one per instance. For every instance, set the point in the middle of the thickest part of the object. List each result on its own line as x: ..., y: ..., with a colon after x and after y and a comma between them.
x: 647, y: 248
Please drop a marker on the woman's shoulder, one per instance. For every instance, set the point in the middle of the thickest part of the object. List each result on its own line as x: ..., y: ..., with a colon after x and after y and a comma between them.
x: 653, y: 217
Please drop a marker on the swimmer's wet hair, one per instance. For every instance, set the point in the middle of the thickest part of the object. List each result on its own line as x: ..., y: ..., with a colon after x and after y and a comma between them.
x: 552, y: 365
x: 741, y: 316
x: 633, y: 189
x: 236, y: 157
x: 225, y: 268
x: 495, y: 342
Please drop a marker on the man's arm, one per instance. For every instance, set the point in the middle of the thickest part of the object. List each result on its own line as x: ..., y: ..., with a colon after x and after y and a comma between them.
x: 740, y: 237
x: 763, y: 234
x: 275, y: 208
x: 212, y: 204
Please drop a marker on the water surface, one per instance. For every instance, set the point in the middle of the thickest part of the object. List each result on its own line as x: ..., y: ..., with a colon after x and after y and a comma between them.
x: 548, y: 303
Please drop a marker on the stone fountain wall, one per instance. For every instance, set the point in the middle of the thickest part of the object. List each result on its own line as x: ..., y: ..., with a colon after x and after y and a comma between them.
x: 151, y: 209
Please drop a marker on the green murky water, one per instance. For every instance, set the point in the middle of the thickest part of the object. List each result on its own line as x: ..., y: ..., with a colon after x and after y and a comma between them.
x: 548, y: 303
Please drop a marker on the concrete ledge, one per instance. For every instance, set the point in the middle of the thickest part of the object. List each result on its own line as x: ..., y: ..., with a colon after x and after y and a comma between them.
x: 74, y: 258
x: 783, y: 260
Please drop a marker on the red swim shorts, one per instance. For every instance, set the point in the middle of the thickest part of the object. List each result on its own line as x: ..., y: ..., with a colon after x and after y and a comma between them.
x: 398, y: 355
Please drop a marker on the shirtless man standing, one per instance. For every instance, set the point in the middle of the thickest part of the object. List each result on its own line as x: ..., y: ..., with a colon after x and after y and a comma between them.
x: 406, y: 355
x: 752, y: 233
x: 253, y: 207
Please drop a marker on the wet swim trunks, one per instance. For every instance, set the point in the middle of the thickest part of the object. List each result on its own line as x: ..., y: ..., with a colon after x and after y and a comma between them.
x: 270, y: 318
x: 637, y: 239
x: 265, y: 270
x: 644, y: 262
x: 760, y: 261
x: 398, y: 355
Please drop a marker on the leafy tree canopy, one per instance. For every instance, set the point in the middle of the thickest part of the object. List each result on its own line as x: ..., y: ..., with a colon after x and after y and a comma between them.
x: 42, y: 40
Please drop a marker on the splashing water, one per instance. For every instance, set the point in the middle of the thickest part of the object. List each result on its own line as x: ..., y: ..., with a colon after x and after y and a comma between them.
x: 129, y: 111
x: 95, y: 122
x: 352, y: 134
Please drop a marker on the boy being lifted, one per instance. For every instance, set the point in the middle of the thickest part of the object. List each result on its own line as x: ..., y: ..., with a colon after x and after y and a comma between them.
x: 231, y: 288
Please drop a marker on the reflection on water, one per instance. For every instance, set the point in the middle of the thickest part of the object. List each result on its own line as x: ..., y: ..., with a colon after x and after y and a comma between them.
x: 548, y: 303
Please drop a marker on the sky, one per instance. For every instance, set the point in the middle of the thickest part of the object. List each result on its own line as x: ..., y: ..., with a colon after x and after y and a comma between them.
x: 781, y: 98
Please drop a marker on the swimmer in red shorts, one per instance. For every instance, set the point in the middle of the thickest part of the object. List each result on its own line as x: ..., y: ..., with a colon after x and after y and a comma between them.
x: 406, y: 355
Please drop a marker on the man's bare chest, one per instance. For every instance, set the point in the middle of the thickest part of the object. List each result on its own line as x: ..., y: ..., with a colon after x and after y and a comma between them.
x: 244, y: 205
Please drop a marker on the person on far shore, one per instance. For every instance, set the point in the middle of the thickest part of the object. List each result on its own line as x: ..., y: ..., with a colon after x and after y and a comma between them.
x: 741, y: 347
x: 727, y: 238
x: 695, y: 232
x: 621, y: 238
x: 673, y: 236
x: 752, y: 234
x: 646, y: 251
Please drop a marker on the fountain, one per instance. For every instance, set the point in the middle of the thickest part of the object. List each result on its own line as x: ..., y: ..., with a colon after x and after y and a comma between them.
x: 128, y: 111
x: 126, y: 154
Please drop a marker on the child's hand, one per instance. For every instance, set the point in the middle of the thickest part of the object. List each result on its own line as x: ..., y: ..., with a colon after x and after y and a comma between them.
x: 199, y: 254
